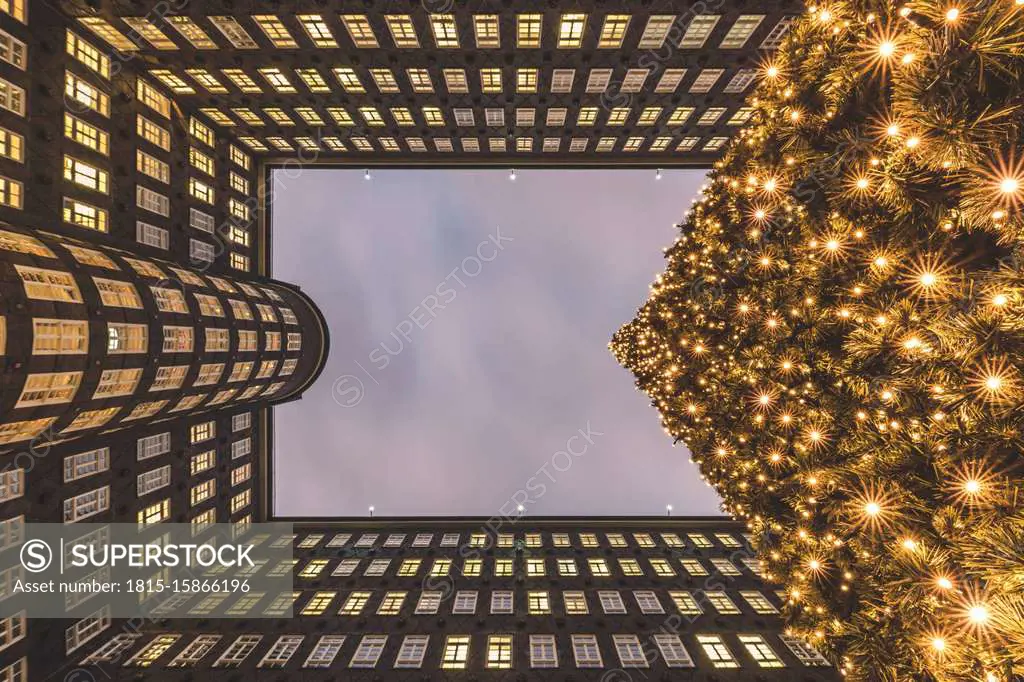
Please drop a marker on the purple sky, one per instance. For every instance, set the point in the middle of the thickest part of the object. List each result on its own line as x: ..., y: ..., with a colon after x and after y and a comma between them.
x: 469, y: 319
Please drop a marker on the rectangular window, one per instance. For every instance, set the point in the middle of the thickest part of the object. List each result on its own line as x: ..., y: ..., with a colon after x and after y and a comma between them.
x: 412, y: 652
x: 49, y: 389
x: 85, y: 134
x: 150, y: 481
x: 59, y: 337
x: 631, y: 654
x: 586, y: 651
x: 648, y: 602
x: 12, y: 486
x: 204, y: 431
x: 368, y: 652
x: 117, y: 294
x: 759, y: 650
x: 152, y: 166
x: 575, y: 603
x: 151, y: 235
x: 149, y: 200
x: 543, y: 652
x: 429, y: 602
x: 153, y: 446
x: 611, y: 602
x: 86, y: 464
x: 87, y: 504
x: 717, y: 652
x: 538, y: 602
x: 465, y: 602
x: 81, y: 91
x: 117, y: 382
x: 391, y: 604
x: 324, y: 652
x: 804, y: 652
x: 673, y: 653
x: 238, y: 651
x: 722, y: 603
x: 456, y: 652
x: 354, y: 604
x: 86, y: 175
x: 154, y: 134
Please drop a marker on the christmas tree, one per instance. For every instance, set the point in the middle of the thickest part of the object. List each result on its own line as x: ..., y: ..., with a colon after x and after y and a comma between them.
x: 838, y: 336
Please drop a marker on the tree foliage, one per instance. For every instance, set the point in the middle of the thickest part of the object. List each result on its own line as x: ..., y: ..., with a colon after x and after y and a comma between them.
x: 838, y: 336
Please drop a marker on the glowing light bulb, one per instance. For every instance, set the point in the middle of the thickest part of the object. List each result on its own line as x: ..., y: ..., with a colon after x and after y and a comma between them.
x: 944, y: 583
x: 972, y: 486
x: 939, y: 644
x: 862, y: 183
x: 832, y: 245
x: 978, y: 614
x: 772, y: 71
x: 1009, y: 185
x: 892, y: 130
x: 913, y: 142
x: 928, y: 279
x: 886, y: 48
x: 872, y: 509
x: 993, y: 382
x: 952, y: 14
x: 999, y: 300
x: 512, y: 175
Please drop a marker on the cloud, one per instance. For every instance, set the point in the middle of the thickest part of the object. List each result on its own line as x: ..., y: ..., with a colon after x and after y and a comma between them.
x: 477, y: 395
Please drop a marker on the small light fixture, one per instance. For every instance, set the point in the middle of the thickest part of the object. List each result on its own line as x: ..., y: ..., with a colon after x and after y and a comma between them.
x: 371, y: 506
x: 668, y: 510
x: 512, y: 175
x: 657, y: 174
x: 366, y: 175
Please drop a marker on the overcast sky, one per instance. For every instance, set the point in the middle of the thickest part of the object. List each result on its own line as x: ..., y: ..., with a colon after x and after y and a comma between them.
x: 470, y: 317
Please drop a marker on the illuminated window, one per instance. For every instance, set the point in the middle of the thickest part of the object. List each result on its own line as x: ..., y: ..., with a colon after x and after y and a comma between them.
x: 613, y: 31
x: 567, y: 567
x: 725, y: 567
x: 59, y: 337
x: 499, y: 652
x: 150, y: 33
x: 277, y: 80
x: 402, y: 30
x: 575, y: 603
x: 242, y: 81
x: 372, y: 116
x: 15, y: 8
x: 456, y: 652
x: 49, y: 389
x: 348, y: 79
x: 741, y: 31
x: 275, y: 31
x: 455, y: 80
x: 117, y: 382
x: 89, y: 96
x: 598, y: 567
x: 201, y: 132
x: 560, y: 540
x: 617, y: 116
x: 173, y: 81
x: 86, y: 175
x: 655, y: 31
x: 359, y: 30
x: 354, y: 604
x: 11, y: 192
x: 698, y: 31
x: 49, y: 285
x: 486, y: 31
x: 12, y: 145
x: 445, y: 32
x: 103, y: 29
x: 679, y: 116
x: 503, y: 568
x: 586, y: 651
x: 317, y: 30
x: 717, y: 652
x: 630, y: 567
x: 538, y: 603
x: 722, y: 603
x: 207, y: 80
x: 200, y: 190
x: 152, y: 166
x: 127, y: 338
x: 153, y: 133
x: 87, y: 54
x: 710, y: 116
x: 191, y: 32
x: 526, y: 80
x: 528, y: 30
